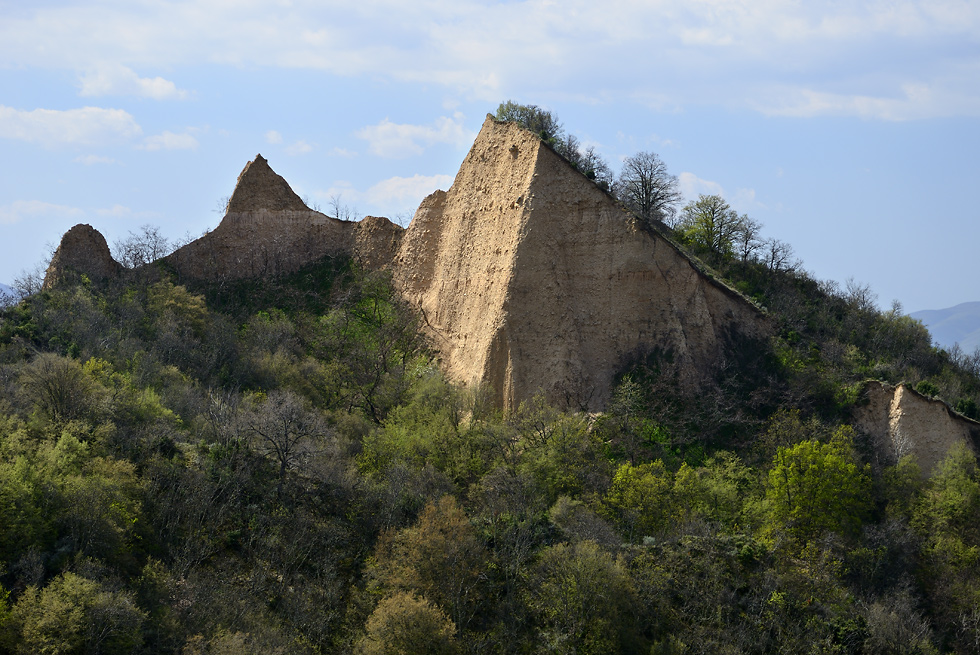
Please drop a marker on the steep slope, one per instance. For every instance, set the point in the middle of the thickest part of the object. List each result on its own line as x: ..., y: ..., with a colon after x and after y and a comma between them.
x: 268, y: 230
x: 83, y: 250
x: 529, y: 278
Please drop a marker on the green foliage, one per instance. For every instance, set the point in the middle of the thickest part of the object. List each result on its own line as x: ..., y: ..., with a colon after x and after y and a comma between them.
x: 640, y: 499
x: 716, y: 491
x: 404, y: 624
x: 710, y: 223
x: 73, y: 614
x: 581, y: 597
x: 531, y: 118
x: 276, y: 466
x: 440, y: 557
x: 816, y: 487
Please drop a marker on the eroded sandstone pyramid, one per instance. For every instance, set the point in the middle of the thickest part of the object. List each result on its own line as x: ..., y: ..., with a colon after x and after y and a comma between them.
x: 268, y: 230
x: 82, y: 251
x: 530, y: 278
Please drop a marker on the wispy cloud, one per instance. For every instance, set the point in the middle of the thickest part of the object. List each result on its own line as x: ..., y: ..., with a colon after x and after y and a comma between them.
x: 123, y: 212
x: 170, y: 141
x: 406, y: 191
x: 855, y: 58
x: 83, y: 126
x: 115, y: 79
x: 692, y: 186
x: 21, y: 210
x: 298, y: 148
x: 396, y: 141
x: 273, y: 137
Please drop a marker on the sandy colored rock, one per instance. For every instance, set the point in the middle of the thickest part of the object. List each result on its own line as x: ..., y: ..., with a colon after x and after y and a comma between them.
x: 259, y: 187
x: 902, y: 422
x: 529, y: 277
x: 269, y: 231
x: 376, y: 242
x: 83, y: 250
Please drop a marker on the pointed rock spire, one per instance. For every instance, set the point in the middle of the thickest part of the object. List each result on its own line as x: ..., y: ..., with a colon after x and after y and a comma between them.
x: 83, y: 250
x: 259, y: 187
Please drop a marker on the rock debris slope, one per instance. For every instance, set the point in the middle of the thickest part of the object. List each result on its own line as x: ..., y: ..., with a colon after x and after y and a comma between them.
x: 268, y: 230
x: 529, y: 277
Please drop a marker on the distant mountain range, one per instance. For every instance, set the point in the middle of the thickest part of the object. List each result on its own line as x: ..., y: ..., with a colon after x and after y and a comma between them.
x: 6, y: 291
x: 959, y: 324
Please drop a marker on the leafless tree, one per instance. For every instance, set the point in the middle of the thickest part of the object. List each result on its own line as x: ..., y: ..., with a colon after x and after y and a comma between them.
x: 778, y: 255
x: 142, y: 247
x: 645, y: 186
x: 340, y: 210
x: 284, y: 428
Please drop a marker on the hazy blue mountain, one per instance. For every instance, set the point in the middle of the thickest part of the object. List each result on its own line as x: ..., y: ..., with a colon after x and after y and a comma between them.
x: 6, y: 291
x: 959, y: 324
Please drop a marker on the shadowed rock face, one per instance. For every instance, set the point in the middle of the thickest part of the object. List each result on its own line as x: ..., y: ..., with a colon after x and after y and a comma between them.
x: 268, y: 230
x: 902, y: 422
x: 83, y: 250
x: 531, y: 278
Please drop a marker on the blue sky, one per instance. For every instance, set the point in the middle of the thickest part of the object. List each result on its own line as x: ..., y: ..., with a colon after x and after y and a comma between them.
x: 850, y: 130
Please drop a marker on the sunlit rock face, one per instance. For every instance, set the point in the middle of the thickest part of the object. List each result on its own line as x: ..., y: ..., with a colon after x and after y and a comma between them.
x: 531, y: 278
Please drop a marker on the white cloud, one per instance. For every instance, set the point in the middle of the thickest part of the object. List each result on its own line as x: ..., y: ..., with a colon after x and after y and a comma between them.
x: 692, y: 186
x: 396, y: 141
x: 91, y: 160
x: 115, y: 79
x: 21, y: 210
x: 123, y: 212
x: 52, y: 127
x: 273, y: 137
x: 701, y: 51
x: 170, y: 141
x: 402, y: 191
x: 299, y: 148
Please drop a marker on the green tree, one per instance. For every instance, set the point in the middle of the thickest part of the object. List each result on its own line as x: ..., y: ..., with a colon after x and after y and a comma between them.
x: 710, y: 223
x: 532, y: 118
x: 580, y: 597
x: 405, y: 624
x: 816, y: 487
x: 440, y: 557
x: 76, y: 615
x: 640, y: 499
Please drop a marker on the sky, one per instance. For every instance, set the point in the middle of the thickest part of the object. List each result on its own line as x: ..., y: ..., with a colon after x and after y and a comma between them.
x: 851, y: 130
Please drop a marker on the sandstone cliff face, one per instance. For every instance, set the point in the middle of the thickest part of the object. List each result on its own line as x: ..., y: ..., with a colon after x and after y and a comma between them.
x: 83, y: 250
x: 531, y: 278
x: 903, y: 422
x: 268, y: 230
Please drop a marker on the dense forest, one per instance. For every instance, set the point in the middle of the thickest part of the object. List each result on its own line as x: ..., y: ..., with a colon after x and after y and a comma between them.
x: 278, y: 466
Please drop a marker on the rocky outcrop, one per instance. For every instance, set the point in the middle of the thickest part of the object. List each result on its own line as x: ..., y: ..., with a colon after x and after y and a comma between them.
x: 531, y: 278
x: 268, y: 230
x: 82, y: 251
x: 901, y: 421
x: 527, y: 275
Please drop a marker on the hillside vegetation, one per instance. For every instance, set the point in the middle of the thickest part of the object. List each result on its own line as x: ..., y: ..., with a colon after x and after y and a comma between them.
x: 279, y: 466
